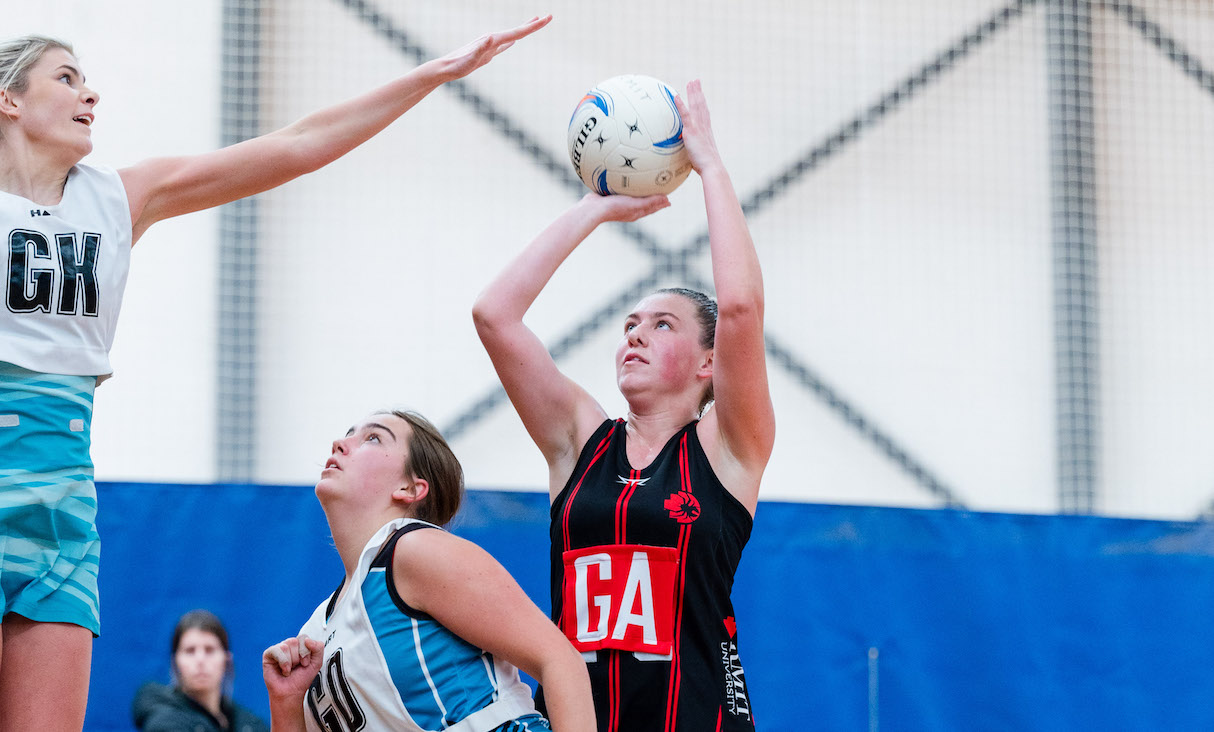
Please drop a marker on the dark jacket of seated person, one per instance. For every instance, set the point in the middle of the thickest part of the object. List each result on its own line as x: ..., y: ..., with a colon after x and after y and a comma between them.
x: 160, y: 708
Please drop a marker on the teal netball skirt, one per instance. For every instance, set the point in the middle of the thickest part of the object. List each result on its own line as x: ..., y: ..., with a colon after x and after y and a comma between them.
x: 49, y: 547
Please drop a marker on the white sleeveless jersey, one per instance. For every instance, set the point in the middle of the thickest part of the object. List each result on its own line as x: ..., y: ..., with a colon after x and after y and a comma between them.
x: 66, y: 271
x: 388, y: 669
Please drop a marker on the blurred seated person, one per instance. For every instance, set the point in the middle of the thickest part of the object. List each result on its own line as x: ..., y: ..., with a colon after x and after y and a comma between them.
x: 199, y: 697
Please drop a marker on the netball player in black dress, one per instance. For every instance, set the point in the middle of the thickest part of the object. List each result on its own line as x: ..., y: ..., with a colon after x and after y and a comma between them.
x: 650, y: 512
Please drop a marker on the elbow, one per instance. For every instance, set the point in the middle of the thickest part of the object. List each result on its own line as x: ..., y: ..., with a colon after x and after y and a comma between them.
x: 482, y: 317
x: 300, y: 150
x: 744, y: 310
x: 486, y: 319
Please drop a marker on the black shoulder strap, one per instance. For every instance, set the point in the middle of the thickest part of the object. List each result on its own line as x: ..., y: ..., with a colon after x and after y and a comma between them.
x: 384, y: 559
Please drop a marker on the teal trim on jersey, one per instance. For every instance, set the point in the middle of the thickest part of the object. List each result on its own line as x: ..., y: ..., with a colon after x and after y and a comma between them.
x: 529, y: 723
x: 49, y: 547
x: 440, y: 677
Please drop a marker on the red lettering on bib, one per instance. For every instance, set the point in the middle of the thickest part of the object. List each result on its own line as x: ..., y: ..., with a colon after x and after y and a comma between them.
x: 620, y: 597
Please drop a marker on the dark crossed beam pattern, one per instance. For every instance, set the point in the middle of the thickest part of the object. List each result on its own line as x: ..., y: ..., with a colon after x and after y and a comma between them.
x: 236, y: 382
x: 1161, y: 40
x: 669, y: 262
x: 672, y: 262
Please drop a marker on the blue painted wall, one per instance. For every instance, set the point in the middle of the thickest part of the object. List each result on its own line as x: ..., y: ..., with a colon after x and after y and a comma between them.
x: 849, y: 617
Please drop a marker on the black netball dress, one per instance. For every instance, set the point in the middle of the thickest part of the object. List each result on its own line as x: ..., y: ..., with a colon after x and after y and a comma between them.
x: 643, y: 563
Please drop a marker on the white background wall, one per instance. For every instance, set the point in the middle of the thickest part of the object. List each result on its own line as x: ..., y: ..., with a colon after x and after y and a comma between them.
x: 912, y: 271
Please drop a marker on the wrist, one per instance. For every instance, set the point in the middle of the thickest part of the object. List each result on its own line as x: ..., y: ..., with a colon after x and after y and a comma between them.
x: 713, y: 169
x: 286, y: 718
x: 285, y: 701
x: 435, y: 72
x: 592, y: 207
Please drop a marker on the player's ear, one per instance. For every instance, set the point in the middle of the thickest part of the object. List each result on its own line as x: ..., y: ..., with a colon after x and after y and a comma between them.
x: 706, y: 365
x: 8, y: 104
x: 413, y: 491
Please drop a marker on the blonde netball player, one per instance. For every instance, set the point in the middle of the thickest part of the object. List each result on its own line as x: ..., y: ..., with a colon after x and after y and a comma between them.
x: 68, y: 231
x: 426, y: 630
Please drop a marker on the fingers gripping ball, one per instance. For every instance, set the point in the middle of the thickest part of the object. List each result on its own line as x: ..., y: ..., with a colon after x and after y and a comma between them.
x: 626, y: 136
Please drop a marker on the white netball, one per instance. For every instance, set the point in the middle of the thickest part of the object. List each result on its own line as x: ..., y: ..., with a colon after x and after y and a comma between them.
x: 626, y: 136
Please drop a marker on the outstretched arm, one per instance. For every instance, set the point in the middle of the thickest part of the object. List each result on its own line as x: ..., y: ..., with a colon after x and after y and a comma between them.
x: 161, y: 188
x: 558, y: 414
x: 743, y: 413
x: 466, y: 590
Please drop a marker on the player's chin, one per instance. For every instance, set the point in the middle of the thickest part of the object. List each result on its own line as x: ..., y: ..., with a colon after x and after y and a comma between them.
x: 628, y: 383
x: 325, y: 487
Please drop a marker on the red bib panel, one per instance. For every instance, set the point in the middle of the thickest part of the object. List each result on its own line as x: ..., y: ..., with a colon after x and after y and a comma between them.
x: 620, y: 597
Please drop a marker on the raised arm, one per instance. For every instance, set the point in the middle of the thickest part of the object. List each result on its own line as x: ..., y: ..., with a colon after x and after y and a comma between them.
x: 472, y: 595
x: 743, y: 414
x: 558, y: 414
x: 161, y: 188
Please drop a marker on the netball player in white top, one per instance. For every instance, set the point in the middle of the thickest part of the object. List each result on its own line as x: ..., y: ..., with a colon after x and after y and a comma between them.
x: 426, y: 630
x: 68, y: 229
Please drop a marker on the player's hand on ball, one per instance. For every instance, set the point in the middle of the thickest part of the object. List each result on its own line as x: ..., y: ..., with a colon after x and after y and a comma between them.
x: 469, y: 58
x: 625, y: 208
x: 697, y: 129
x: 289, y: 667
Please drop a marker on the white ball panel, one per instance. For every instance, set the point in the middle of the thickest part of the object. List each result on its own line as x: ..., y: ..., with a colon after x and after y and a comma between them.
x: 625, y: 136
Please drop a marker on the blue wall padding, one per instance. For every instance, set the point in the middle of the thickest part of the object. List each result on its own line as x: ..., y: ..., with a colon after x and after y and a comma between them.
x: 979, y: 621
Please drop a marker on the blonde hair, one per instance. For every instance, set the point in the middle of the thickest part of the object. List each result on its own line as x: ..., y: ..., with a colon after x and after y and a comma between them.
x: 18, y: 56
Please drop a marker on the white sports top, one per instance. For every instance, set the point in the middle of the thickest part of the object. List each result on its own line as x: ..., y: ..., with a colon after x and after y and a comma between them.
x: 66, y: 271
x: 385, y: 669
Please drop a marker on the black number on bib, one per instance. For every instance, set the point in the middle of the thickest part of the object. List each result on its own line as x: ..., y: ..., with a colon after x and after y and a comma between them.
x: 338, y: 710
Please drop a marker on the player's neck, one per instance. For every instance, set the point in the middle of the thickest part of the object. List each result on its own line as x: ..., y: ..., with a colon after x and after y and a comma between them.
x: 26, y: 173
x: 351, y: 535
x: 652, y: 429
